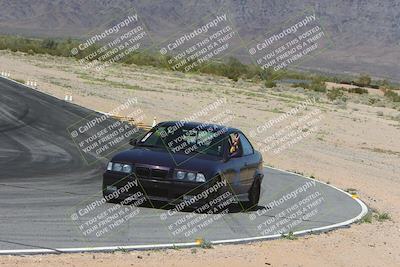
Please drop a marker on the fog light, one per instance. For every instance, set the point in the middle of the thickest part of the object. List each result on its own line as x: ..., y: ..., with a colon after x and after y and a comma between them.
x: 111, y: 188
x: 187, y: 197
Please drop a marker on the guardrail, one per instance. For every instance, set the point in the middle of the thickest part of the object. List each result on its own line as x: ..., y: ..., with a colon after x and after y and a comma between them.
x: 130, y: 120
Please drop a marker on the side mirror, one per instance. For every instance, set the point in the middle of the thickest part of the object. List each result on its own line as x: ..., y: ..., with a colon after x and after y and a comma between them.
x: 227, y: 157
x: 133, y: 142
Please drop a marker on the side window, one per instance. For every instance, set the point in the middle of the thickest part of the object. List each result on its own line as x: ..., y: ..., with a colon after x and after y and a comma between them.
x: 235, y: 148
x: 246, y: 146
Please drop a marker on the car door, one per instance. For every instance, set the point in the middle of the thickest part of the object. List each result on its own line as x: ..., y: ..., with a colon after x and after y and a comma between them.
x: 250, y: 161
x: 235, y: 166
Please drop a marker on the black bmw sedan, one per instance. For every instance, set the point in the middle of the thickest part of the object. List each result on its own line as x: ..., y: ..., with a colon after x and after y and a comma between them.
x: 177, y: 160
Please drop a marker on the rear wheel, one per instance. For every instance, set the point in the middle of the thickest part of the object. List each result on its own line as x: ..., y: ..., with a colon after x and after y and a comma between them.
x: 215, y: 202
x: 254, y: 194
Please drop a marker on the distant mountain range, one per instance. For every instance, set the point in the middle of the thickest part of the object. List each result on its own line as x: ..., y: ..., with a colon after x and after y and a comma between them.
x: 365, y: 33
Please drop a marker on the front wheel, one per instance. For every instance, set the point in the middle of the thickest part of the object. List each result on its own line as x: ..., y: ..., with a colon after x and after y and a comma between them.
x: 254, y: 195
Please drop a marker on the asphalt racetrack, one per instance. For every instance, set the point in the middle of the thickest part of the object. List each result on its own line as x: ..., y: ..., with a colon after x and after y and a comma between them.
x: 44, y: 181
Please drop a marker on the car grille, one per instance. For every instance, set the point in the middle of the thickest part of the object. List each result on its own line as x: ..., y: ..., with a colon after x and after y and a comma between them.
x: 145, y: 172
x: 156, y: 173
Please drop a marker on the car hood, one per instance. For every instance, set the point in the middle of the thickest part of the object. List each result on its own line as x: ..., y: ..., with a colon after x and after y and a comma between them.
x: 160, y: 157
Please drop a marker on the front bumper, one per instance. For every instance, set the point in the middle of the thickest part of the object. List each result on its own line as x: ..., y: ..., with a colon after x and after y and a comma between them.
x: 153, y: 189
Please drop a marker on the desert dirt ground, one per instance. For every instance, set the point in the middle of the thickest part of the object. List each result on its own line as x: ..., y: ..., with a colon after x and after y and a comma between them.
x: 355, y: 147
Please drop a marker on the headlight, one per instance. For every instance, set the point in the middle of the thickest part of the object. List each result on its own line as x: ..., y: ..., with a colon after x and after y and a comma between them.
x: 180, y: 175
x: 190, y: 176
x: 126, y: 168
x: 119, y: 167
x: 200, y: 178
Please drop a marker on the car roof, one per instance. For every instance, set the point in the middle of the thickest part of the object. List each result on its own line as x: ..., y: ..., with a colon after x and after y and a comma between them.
x: 192, y: 124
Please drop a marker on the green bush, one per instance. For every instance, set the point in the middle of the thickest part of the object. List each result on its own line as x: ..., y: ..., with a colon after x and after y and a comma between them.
x: 358, y: 90
x: 270, y: 84
x: 392, y: 96
x: 380, y: 217
x: 37, y: 46
x: 372, y: 101
x: 364, y: 80
x: 383, y: 83
x: 334, y: 94
x: 374, y: 86
x: 302, y: 85
x: 367, y: 218
x: 318, y: 85
x: 230, y: 68
x: 234, y: 69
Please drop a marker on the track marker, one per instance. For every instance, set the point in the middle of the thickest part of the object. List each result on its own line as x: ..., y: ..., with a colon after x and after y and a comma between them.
x: 68, y: 98
x: 5, y: 73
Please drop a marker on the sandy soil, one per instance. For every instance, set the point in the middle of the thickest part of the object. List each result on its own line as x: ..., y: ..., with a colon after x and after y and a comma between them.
x: 356, y: 147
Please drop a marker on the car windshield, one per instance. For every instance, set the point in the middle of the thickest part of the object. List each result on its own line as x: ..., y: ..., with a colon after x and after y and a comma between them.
x: 204, y: 139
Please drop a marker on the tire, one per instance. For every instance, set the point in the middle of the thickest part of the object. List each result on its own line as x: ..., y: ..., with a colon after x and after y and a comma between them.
x: 215, y: 195
x: 254, y: 195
